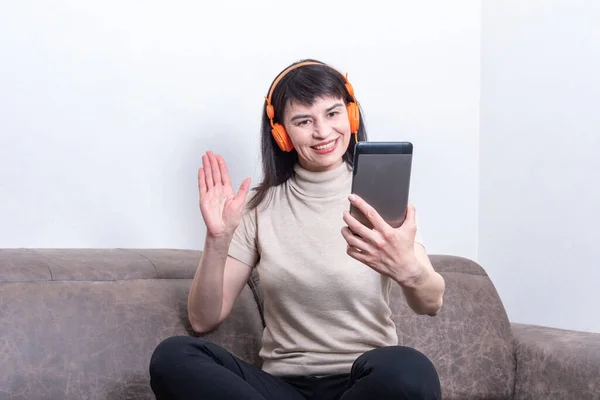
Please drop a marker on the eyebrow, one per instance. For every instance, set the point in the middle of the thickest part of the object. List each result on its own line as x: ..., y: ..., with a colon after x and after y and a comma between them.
x: 300, y: 116
x: 295, y: 117
x: 334, y: 106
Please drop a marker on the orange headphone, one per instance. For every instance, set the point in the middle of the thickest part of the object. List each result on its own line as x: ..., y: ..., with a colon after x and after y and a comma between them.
x: 278, y: 131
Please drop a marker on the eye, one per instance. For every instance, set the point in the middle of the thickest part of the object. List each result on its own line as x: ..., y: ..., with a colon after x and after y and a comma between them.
x: 303, y: 122
x: 333, y: 114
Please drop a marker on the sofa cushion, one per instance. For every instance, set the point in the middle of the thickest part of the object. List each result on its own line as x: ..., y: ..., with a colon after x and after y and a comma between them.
x: 470, y: 340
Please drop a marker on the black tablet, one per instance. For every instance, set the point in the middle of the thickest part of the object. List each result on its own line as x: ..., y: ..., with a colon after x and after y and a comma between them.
x: 381, y: 177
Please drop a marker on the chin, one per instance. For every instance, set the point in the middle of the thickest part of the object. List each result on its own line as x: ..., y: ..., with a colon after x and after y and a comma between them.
x: 331, y: 162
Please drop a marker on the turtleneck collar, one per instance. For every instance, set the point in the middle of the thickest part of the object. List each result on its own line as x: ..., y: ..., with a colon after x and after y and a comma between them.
x: 322, y: 184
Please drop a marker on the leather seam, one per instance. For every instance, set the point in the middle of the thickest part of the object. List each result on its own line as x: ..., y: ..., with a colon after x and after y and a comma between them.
x: 44, y: 261
x: 146, y: 258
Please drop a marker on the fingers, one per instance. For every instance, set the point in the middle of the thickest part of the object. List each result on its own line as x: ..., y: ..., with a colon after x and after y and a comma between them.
x: 215, y: 174
x: 357, y: 242
x: 215, y: 168
x: 201, y: 182
x: 373, y: 216
x: 357, y: 254
x: 356, y: 226
x: 243, y: 190
x: 207, y: 171
x: 410, y: 221
x: 224, y: 171
x: 411, y: 213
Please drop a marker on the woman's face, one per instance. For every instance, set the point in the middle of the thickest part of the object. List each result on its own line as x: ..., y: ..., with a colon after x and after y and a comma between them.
x: 320, y: 132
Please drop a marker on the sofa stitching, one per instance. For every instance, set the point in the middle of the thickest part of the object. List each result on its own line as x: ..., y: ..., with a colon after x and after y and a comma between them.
x: 44, y: 261
x: 146, y: 258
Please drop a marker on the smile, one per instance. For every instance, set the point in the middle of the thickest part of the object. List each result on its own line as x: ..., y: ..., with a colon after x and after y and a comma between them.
x: 323, y: 148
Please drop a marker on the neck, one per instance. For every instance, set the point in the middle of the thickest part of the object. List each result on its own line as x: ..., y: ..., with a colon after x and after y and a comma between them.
x: 332, y: 182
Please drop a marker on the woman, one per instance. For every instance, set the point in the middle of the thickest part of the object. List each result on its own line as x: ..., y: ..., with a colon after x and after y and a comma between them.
x: 325, y: 277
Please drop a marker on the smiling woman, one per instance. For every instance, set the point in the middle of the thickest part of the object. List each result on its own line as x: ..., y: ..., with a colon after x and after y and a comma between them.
x: 329, y: 332
x: 309, y: 103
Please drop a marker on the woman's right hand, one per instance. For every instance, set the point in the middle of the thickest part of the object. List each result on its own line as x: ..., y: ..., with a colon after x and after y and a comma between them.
x: 221, y: 208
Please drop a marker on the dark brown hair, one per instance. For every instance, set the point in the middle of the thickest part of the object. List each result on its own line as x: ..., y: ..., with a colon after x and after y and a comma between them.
x: 302, y: 85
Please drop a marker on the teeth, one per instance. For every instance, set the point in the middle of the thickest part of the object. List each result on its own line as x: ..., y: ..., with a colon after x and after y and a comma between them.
x: 326, y: 146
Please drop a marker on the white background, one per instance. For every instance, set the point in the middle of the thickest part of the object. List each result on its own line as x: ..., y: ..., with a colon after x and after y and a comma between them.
x: 540, y: 159
x: 106, y: 108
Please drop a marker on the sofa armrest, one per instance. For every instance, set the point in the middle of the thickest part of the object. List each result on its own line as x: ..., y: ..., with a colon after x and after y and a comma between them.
x: 556, y: 364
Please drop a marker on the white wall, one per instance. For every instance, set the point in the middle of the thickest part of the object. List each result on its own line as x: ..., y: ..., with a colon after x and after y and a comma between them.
x: 106, y: 108
x: 540, y: 159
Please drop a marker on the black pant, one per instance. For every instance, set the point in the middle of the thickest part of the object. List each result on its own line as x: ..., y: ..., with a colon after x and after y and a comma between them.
x: 184, y: 367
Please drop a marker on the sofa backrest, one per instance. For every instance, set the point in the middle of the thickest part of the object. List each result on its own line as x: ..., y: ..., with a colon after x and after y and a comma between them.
x: 82, y: 324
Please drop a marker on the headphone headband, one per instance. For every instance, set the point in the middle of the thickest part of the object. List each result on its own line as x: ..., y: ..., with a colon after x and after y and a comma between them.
x: 285, y: 72
x: 301, y: 64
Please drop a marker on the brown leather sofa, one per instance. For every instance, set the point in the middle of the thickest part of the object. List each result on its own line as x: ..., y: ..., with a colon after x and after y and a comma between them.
x: 82, y: 324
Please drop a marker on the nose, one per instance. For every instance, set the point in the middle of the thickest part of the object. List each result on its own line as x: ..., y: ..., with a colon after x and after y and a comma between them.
x: 322, y: 128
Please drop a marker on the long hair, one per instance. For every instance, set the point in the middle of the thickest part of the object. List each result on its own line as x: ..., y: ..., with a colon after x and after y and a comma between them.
x: 302, y: 85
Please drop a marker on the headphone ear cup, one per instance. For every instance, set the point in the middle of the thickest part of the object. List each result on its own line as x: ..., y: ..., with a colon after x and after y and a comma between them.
x: 282, y: 138
x: 353, y: 116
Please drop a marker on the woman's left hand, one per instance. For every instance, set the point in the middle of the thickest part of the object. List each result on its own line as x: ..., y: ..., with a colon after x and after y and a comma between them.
x: 387, y: 250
